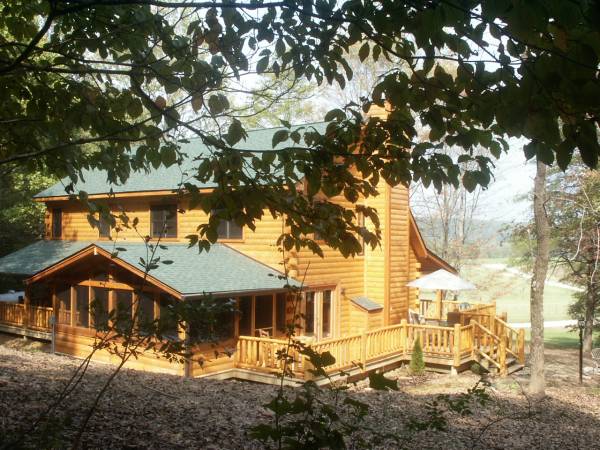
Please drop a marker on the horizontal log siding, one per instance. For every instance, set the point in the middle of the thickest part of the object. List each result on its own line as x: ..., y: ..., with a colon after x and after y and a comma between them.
x: 349, y: 273
x: 399, y: 270
x: 414, y: 273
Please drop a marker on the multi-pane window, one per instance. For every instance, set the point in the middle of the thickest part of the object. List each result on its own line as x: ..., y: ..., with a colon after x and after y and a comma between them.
x: 145, y: 311
x: 228, y: 229
x: 309, y: 314
x: 280, y: 312
x: 326, y: 314
x: 124, y: 310
x: 104, y: 228
x: 163, y: 221
x: 56, y: 223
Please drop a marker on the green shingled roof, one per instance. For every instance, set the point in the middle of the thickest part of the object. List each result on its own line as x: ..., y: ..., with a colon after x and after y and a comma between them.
x: 168, y: 178
x: 220, y: 270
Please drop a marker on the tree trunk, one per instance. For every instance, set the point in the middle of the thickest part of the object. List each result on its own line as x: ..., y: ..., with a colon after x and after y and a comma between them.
x: 590, y: 309
x: 537, y: 383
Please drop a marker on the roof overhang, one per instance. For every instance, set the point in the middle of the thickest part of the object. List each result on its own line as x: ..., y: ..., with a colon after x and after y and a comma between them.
x: 430, y: 262
x: 94, y: 250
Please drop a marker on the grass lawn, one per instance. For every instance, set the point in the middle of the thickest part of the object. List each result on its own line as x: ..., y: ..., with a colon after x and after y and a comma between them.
x: 558, y: 338
x: 511, y: 292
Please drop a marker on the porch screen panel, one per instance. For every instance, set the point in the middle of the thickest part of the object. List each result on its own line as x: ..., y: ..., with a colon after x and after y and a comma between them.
x: 245, y: 316
x: 99, y: 308
x: 145, y: 314
x: 309, y: 314
x: 263, y: 311
x: 168, y: 319
x: 124, y: 305
x: 82, y: 304
x: 63, y: 295
x: 280, y: 312
x: 326, y: 314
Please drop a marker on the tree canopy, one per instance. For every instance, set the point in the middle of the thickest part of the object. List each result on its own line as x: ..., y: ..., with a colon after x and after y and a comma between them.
x: 114, y: 84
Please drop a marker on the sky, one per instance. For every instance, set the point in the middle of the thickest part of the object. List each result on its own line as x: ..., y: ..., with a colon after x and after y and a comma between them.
x: 513, y: 179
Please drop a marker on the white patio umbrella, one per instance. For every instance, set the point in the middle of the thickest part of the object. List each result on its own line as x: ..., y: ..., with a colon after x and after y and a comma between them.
x: 441, y: 280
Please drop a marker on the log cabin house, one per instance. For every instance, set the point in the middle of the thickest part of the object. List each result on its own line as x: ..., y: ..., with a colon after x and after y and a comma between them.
x: 356, y: 308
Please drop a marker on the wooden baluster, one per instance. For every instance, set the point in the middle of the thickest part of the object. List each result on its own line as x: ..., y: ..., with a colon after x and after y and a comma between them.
x: 456, y: 350
x: 363, y: 350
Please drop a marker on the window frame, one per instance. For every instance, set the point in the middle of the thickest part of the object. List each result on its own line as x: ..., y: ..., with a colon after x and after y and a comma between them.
x: 56, y: 223
x: 228, y: 238
x: 164, y: 207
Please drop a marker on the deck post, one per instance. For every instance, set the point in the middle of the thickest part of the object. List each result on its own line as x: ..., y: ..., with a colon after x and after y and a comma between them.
x: 502, y: 356
x: 363, y: 350
x: 456, y: 349
x: 521, y: 346
x: 184, y: 334
x: 26, y: 308
x: 438, y: 303
x: 403, y: 336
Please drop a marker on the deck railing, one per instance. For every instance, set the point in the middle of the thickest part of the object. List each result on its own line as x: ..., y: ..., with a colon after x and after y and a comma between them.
x: 31, y: 316
x: 450, y: 346
x: 11, y: 313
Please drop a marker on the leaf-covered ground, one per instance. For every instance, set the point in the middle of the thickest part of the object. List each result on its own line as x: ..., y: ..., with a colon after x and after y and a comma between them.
x: 145, y: 410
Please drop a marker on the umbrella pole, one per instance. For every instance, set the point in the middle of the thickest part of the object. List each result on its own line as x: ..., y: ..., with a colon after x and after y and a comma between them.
x: 438, y: 302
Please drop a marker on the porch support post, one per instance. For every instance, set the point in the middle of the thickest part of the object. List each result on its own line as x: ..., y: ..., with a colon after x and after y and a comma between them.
x: 521, y: 346
x: 26, y: 307
x: 403, y: 336
x: 73, y: 305
x: 184, y: 336
x: 438, y: 304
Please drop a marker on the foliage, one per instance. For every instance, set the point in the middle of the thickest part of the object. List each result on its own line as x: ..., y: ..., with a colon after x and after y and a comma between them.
x: 417, y: 363
x: 112, y: 85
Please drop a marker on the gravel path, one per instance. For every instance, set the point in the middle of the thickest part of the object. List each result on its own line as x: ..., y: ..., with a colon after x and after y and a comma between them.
x: 143, y: 410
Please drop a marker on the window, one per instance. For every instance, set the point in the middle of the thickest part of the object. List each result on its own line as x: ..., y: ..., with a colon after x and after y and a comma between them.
x: 309, y: 314
x: 103, y: 228
x: 163, y: 221
x: 100, y: 308
x: 82, y: 305
x: 326, y: 314
x: 228, y: 229
x: 361, y: 223
x: 56, y: 223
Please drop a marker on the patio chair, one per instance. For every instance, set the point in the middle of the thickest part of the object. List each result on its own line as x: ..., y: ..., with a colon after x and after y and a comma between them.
x: 596, y: 359
x: 415, y: 318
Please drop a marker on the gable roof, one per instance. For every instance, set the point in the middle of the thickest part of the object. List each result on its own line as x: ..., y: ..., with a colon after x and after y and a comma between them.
x: 95, y: 182
x: 221, y: 270
x: 430, y: 262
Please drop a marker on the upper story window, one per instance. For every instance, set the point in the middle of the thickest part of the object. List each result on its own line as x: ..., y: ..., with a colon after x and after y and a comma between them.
x: 163, y: 221
x: 228, y: 229
x: 104, y: 228
x: 56, y: 223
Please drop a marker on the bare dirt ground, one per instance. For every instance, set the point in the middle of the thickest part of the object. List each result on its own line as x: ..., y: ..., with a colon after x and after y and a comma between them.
x: 145, y: 410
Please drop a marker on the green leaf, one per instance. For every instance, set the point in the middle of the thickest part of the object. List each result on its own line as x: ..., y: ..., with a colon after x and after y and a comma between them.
x: 363, y: 52
x: 279, y: 136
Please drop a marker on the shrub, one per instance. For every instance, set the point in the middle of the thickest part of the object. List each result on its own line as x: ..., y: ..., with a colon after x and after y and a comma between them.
x: 417, y: 364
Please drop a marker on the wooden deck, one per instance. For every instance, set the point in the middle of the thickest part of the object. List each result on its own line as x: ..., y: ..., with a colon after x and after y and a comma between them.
x: 479, y: 336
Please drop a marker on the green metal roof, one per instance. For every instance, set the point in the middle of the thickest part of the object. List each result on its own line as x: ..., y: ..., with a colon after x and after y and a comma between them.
x: 220, y: 270
x: 169, y: 178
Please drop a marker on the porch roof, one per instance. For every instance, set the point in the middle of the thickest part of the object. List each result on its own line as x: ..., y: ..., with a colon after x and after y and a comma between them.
x: 218, y: 271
